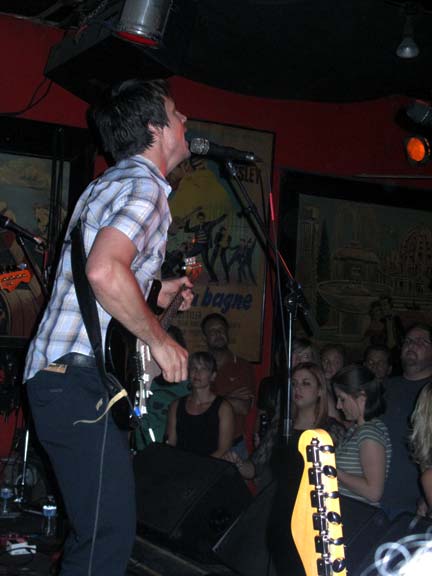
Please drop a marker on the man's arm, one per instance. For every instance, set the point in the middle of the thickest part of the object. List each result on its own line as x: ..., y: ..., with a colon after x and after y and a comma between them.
x: 188, y: 228
x: 212, y: 223
x: 116, y: 289
x: 242, y: 397
x: 241, y: 400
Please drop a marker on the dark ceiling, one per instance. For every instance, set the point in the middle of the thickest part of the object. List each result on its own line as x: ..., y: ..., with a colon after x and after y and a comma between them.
x: 323, y: 50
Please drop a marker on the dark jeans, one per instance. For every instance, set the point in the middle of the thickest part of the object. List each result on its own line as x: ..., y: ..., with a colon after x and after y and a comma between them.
x: 57, y: 401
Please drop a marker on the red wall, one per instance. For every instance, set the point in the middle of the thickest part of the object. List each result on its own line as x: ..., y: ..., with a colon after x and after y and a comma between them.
x: 344, y: 139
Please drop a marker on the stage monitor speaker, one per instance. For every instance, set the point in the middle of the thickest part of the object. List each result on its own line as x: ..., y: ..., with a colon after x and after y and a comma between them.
x: 363, y: 525
x: 244, y: 547
x: 185, y: 500
x: 406, y: 535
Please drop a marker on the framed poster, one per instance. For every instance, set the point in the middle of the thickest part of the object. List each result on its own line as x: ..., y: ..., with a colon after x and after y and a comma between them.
x: 362, y: 253
x: 211, y: 225
x: 43, y: 170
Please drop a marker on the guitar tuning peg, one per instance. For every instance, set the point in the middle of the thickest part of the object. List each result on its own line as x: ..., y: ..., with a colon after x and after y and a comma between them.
x: 330, y: 471
x: 339, y: 565
x: 333, y: 495
x: 334, y: 517
x: 327, y: 449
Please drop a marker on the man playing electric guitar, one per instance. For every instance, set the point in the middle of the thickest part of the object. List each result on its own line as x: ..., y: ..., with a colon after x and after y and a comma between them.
x: 125, y: 218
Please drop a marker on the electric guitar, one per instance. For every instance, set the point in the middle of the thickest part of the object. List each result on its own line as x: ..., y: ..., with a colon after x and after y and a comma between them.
x: 316, y: 523
x: 129, y: 359
x: 13, y: 278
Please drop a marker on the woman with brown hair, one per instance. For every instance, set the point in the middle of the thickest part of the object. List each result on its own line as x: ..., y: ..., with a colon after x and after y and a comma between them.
x: 363, y: 458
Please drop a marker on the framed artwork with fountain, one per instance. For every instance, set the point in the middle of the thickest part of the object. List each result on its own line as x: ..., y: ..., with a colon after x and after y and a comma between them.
x: 362, y: 254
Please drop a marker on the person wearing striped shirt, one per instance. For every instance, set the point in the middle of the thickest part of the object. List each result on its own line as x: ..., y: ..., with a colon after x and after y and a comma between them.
x: 363, y: 457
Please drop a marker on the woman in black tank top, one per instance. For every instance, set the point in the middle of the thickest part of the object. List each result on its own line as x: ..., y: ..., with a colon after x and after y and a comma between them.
x: 202, y: 422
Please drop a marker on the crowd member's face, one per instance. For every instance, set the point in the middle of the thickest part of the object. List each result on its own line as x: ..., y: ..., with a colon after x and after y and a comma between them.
x: 377, y: 362
x: 352, y: 407
x: 332, y: 361
x: 301, y: 355
x: 305, y: 389
x: 216, y: 334
x: 200, y: 376
x: 416, y: 350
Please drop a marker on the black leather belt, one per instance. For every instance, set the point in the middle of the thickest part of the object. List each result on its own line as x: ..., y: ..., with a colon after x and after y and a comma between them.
x: 75, y: 359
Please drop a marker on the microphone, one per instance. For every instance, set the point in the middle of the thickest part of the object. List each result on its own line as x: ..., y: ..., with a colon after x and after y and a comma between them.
x: 204, y: 147
x: 420, y: 113
x: 10, y: 225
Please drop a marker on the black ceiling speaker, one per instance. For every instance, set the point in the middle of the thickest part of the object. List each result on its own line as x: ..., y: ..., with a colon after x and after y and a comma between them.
x: 137, y: 38
x: 144, y: 21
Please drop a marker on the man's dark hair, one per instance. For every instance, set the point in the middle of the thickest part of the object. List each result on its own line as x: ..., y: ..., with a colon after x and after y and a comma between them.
x: 203, y: 358
x: 213, y: 316
x: 338, y: 347
x: 122, y: 119
x: 378, y: 348
x: 420, y: 326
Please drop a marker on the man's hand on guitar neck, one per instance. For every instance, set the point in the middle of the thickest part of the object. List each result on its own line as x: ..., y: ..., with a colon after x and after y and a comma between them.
x: 170, y: 356
x: 171, y: 287
x: 172, y: 359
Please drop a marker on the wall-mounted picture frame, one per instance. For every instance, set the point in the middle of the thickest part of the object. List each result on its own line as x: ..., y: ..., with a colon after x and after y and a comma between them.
x: 211, y: 225
x: 362, y: 253
x: 43, y: 169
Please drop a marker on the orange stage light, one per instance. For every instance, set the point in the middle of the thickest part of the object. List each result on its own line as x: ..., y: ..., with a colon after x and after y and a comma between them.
x: 417, y: 150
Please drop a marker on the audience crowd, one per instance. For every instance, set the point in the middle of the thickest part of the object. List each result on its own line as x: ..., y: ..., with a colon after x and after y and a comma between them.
x: 378, y: 413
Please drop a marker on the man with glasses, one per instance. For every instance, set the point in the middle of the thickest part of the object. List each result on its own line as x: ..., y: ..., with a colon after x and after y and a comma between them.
x: 401, y: 395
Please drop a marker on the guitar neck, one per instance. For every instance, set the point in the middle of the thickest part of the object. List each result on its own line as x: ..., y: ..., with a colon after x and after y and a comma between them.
x: 191, y: 269
x: 168, y: 314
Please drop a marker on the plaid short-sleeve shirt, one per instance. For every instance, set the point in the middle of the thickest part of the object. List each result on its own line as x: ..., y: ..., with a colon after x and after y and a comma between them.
x: 132, y: 197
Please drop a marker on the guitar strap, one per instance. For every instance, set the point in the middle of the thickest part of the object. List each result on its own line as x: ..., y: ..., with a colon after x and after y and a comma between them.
x: 89, y: 313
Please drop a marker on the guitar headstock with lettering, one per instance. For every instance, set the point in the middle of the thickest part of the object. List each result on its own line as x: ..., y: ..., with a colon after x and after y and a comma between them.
x: 13, y: 278
x: 316, y: 523
x: 192, y: 268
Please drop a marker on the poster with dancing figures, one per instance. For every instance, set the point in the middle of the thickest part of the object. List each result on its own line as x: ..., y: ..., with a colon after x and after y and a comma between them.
x: 210, y: 225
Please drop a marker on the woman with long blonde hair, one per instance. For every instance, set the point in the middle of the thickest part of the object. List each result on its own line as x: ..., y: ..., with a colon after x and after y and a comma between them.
x: 421, y: 445
x: 309, y: 409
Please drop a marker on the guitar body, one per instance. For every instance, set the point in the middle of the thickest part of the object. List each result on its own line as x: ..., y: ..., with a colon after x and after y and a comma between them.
x: 129, y: 359
x: 130, y: 362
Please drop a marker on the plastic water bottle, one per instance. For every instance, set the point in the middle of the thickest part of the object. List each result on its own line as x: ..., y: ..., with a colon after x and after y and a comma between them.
x: 49, y: 512
x: 6, y: 494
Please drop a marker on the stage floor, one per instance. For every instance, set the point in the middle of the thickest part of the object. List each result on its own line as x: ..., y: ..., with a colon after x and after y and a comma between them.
x: 148, y: 558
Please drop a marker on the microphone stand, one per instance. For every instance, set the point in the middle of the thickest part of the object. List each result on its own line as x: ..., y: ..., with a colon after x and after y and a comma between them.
x: 20, y: 499
x: 295, y: 301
